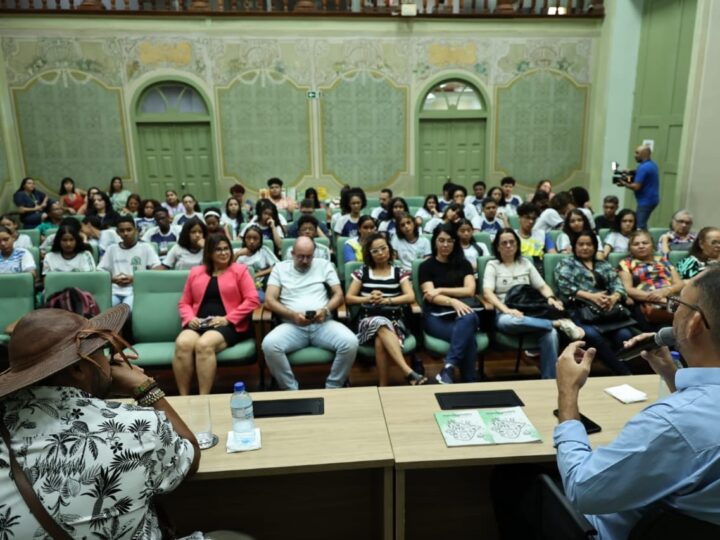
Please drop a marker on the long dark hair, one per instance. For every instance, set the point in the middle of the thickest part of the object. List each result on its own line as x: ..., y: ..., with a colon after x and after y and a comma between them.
x: 353, y: 192
x: 617, y: 223
x: 416, y: 227
x: 457, y: 255
x: 112, y: 181
x: 266, y: 204
x: 237, y: 220
x: 74, y: 231
x: 184, y: 239
x: 593, y: 238
x: 111, y: 216
x: 434, y: 198
x: 211, y: 243
x: 311, y: 193
x: 459, y: 209
x: 62, y: 191
x: 566, y: 226
x: 23, y: 182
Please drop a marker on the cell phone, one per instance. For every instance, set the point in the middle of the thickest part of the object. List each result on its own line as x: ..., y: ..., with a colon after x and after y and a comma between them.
x: 590, y: 426
x: 310, y: 314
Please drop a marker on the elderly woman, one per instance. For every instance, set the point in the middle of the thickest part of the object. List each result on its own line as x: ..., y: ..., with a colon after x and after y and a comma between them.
x: 215, y: 310
x: 679, y: 237
x: 704, y: 252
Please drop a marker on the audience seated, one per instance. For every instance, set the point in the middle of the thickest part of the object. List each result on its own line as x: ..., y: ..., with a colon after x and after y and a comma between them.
x: 383, y: 210
x: 123, y: 259
x: 384, y: 293
x: 351, y: 207
x: 581, y: 198
x: 269, y: 221
x: 452, y: 213
x: 91, y: 229
x: 69, y: 252
x: 489, y: 222
x: 307, y: 208
x: 606, y: 220
x: 52, y: 221
x: 30, y: 203
x: 471, y: 249
x: 308, y: 225
x: 532, y: 243
x: 623, y: 226
x: 73, y: 199
x: 509, y: 201
x: 445, y: 280
x: 163, y: 233
x: 102, y: 208
x: 254, y: 254
x: 429, y: 210
x: 679, y: 237
x: 704, y: 253
x: 172, y: 203
x: 21, y: 240
x: 553, y: 216
x: 582, y: 279
x: 232, y: 217
x: 118, y: 194
x: 190, y: 209
x: 447, y: 189
x: 510, y: 269
x: 212, y: 218
x: 648, y: 279
x: 576, y: 221
x: 275, y: 194
x: 132, y: 206
x: 215, y: 311
x: 398, y: 207
x: 188, y: 252
x: 408, y: 244
x: 459, y: 196
x: 297, y: 293
x: 12, y: 259
x: 478, y: 195
x: 145, y: 219
x: 353, y: 250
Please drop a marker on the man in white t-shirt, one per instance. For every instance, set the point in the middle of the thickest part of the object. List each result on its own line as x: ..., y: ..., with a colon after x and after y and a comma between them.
x: 297, y: 294
x: 123, y: 259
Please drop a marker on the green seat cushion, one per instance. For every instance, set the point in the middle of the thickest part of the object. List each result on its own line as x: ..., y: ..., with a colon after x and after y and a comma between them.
x: 409, y: 345
x: 441, y: 347
x: 311, y: 355
x: 154, y: 354
x: 508, y: 341
x: 4, y: 339
x: 242, y: 353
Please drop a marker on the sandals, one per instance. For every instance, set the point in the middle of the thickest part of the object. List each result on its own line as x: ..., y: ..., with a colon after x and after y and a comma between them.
x: 415, y: 379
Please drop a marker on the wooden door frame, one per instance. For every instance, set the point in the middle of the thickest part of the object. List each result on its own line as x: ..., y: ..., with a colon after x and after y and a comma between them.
x: 171, y: 118
x: 452, y: 115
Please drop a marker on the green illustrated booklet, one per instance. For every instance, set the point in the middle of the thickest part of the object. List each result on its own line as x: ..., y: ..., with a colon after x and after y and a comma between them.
x: 486, y: 426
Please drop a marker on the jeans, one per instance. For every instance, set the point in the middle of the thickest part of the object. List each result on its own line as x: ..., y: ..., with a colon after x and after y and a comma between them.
x: 117, y: 299
x: 460, y: 332
x: 288, y: 337
x: 643, y: 215
x: 606, y: 345
x: 542, y: 329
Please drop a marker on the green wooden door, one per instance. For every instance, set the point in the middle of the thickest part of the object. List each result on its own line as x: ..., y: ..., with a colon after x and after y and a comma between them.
x: 178, y: 157
x: 451, y: 149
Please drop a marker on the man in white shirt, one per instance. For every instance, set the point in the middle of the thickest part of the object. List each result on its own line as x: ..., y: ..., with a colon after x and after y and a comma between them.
x: 297, y: 294
x: 124, y: 259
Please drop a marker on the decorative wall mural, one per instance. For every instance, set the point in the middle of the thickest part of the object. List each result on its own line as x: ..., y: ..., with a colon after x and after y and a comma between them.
x: 540, y: 127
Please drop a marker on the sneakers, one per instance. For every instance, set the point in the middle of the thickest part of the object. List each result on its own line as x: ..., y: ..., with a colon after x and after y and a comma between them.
x: 571, y: 330
x: 445, y: 376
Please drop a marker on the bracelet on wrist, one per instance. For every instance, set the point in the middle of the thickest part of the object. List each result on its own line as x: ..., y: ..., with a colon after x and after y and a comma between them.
x: 156, y: 394
x: 144, y: 388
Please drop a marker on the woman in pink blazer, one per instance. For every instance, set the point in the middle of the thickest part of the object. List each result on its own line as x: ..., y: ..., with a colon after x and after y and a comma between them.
x: 215, y: 310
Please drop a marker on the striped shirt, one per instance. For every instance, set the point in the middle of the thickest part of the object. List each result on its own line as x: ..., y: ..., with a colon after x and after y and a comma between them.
x: 20, y: 260
x: 389, y: 286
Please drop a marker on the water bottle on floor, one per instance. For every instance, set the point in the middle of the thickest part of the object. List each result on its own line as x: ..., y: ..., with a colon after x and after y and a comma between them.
x: 241, y: 408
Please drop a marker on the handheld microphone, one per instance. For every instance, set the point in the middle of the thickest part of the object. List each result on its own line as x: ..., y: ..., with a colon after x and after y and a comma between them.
x: 663, y: 338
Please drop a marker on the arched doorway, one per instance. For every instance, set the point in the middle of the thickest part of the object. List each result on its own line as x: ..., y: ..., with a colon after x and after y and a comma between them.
x: 452, y: 136
x: 175, y: 149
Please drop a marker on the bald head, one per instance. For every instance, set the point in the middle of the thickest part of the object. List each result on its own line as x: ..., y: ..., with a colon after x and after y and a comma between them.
x: 642, y: 153
x: 303, y: 251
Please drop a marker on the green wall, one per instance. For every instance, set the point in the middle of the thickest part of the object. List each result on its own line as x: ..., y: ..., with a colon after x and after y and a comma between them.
x: 317, y: 102
x: 661, y: 92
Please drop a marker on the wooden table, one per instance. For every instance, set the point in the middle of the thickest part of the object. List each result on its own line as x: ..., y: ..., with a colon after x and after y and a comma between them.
x: 441, y: 492
x: 325, y: 476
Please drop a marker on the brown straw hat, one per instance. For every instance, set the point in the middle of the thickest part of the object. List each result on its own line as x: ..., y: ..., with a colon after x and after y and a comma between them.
x: 46, y: 341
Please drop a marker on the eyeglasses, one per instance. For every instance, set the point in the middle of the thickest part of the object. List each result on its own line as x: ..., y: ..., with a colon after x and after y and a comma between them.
x: 378, y: 250
x: 446, y: 241
x: 673, y: 303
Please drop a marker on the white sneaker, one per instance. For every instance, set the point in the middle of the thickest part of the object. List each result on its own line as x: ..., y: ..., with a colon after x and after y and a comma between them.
x: 571, y: 330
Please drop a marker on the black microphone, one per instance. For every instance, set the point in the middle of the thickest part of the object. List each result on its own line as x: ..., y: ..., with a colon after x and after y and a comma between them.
x: 663, y: 338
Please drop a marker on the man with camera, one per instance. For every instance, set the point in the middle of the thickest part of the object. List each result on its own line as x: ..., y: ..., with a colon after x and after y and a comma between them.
x: 645, y: 182
x: 297, y: 293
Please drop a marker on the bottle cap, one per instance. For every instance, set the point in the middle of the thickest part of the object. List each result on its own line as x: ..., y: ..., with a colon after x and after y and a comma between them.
x: 239, y: 387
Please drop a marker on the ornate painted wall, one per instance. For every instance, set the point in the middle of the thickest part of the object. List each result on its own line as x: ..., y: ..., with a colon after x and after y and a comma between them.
x: 315, y: 108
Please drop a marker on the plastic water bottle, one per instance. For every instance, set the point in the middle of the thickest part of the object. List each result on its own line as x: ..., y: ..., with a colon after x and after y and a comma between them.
x: 241, y: 408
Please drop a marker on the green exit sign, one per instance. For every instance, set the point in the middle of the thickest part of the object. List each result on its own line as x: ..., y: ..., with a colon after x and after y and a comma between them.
x: 313, y: 94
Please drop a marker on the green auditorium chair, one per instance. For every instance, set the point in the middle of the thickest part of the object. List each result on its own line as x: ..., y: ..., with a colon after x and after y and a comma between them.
x: 96, y: 283
x: 204, y: 205
x: 676, y: 256
x: 34, y: 235
x: 17, y: 297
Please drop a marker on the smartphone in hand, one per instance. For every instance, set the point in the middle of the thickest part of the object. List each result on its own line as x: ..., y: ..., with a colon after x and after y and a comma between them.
x: 590, y: 426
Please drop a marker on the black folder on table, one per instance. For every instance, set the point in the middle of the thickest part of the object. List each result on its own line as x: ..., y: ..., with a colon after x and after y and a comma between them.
x: 288, y: 407
x: 481, y: 399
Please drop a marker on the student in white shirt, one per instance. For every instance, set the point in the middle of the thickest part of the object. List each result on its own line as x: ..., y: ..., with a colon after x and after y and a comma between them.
x: 460, y: 197
x: 398, y: 207
x: 618, y: 238
x: 69, y: 253
x: 269, y: 221
x: 191, y: 209
x: 14, y: 260
x: 308, y: 225
x: 554, y: 216
x: 471, y: 249
x: 488, y: 222
x: 428, y: 211
x: 188, y: 252
x: 124, y: 259
x: 22, y: 241
x: 256, y: 255
x: 408, y: 244
x: 507, y: 185
x: 576, y: 222
x: 453, y: 212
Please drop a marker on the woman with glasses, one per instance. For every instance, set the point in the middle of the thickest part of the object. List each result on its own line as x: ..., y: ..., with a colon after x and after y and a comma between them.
x: 648, y: 279
x: 584, y: 279
x: 679, y: 237
x: 509, y: 269
x: 704, y: 253
x: 383, y: 292
x: 445, y: 279
x: 215, y: 309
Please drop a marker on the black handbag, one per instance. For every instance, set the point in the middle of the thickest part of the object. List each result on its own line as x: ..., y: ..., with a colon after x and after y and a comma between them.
x: 394, y: 313
x: 532, y: 303
x: 588, y: 312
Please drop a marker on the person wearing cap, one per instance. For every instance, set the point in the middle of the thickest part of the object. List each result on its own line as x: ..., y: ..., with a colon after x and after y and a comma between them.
x: 93, y: 465
x: 283, y: 202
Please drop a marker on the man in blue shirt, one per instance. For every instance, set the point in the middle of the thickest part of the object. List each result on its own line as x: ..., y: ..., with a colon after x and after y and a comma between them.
x: 667, y: 454
x: 645, y: 184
